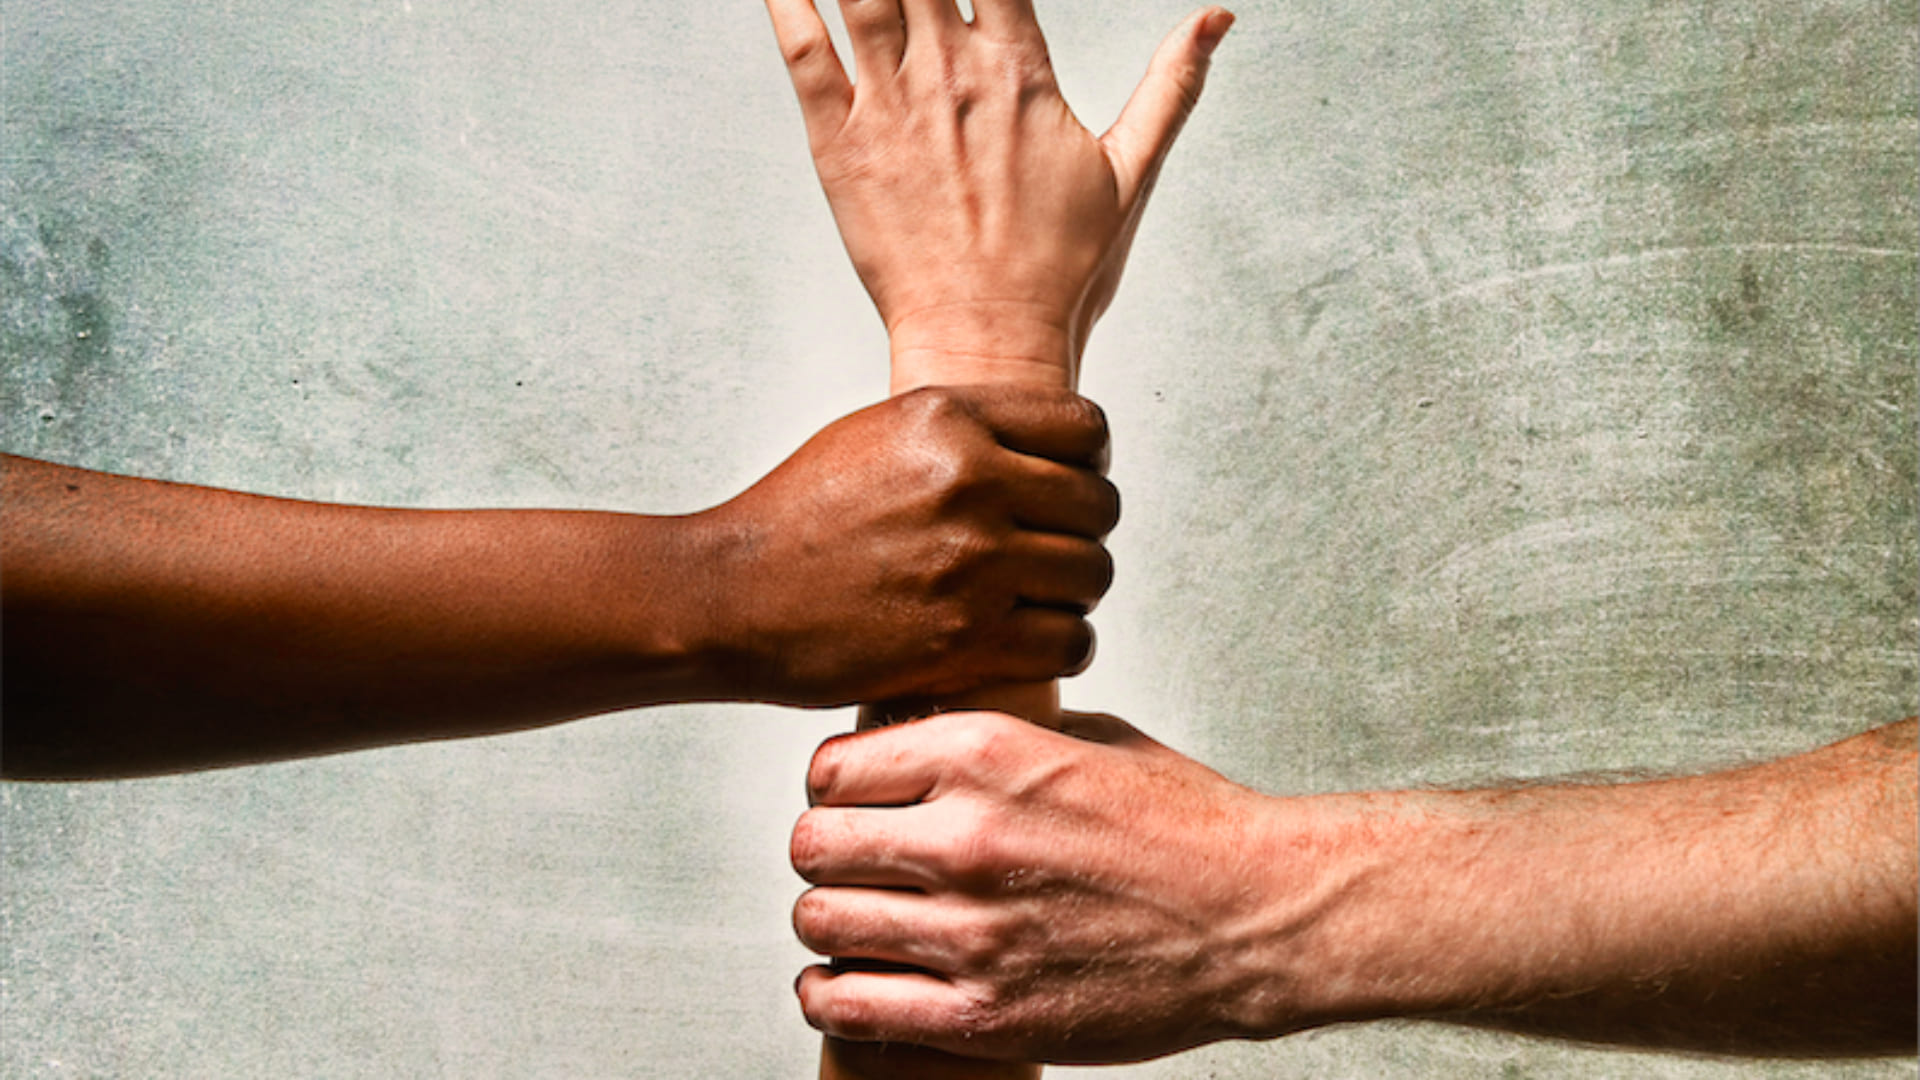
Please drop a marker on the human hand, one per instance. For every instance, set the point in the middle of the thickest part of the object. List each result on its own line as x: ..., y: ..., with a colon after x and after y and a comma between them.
x: 936, y: 542
x: 995, y: 889
x: 987, y: 224
x: 1081, y: 897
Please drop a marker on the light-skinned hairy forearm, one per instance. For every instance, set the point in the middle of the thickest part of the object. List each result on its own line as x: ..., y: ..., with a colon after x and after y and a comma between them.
x: 1768, y: 910
x: 1102, y: 898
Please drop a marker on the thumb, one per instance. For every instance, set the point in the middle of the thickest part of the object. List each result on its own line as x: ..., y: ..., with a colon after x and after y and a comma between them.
x: 1139, y: 140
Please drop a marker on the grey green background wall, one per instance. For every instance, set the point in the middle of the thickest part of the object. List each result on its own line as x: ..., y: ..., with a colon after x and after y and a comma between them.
x: 1500, y: 389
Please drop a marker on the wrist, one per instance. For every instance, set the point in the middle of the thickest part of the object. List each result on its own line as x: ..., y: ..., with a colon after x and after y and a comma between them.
x: 982, y: 342
x: 1354, y: 923
x: 671, y: 634
x: 1460, y: 904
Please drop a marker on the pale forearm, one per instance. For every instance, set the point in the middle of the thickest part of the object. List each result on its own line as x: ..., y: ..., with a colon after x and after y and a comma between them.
x: 1768, y: 910
x: 153, y: 627
x: 1102, y: 899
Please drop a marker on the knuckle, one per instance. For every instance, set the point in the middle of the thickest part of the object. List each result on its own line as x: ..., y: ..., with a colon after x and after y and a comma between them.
x: 976, y: 851
x: 803, y: 919
x: 1103, y: 571
x: 807, y: 920
x: 802, y: 49
x: 955, y: 553
x: 824, y: 770
x: 852, y: 1018
x: 1109, y: 505
x: 949, y: 450
x: 1091, y: 417
x: 810, y: 1006
x: 807, y: 846
x: 978, y: 947
x: 1188, y: 82
x: 1025, y: 74
x: 978, y: 738
x: 946, y: 65
x: 958, y: 627
x: 1082, y: 643
x: 943, y: 474
x: 1185, y: 77
x: 946, y: 625
x: 933, y: 404
x: 983, y: 1011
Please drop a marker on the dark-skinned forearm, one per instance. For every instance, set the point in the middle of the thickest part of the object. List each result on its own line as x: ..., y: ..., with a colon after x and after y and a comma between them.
x: 153, y: 627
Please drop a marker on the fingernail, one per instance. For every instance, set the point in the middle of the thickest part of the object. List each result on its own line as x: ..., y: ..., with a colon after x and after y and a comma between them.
x: 1216, y: 26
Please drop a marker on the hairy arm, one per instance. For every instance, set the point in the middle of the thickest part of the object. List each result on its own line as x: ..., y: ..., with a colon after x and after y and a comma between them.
x: 1768, y: 910
x: 930, y: 543
x: 1105, y: 899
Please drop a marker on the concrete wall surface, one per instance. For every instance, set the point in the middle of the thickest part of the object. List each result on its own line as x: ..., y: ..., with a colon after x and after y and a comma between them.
x: 1499, y: 390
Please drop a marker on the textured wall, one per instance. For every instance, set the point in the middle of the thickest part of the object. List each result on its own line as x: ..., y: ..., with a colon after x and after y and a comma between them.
x: 1500, y: 389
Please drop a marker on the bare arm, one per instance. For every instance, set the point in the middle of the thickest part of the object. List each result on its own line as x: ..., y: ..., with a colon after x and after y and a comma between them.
x: 1768, y: 910
x: 153, y: 627
x: 988, y: 225
x: 1105, y: 899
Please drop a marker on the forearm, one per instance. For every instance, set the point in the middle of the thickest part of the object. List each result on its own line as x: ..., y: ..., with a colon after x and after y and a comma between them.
x: 1768, y: 910
x: 154, y: 627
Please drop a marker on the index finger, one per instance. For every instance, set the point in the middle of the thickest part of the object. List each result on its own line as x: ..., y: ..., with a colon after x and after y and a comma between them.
x: 911, y: 762
x: 819, y: 79
x: 870, y: 768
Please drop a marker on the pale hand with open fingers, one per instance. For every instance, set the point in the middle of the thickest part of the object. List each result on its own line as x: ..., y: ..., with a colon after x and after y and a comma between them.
x: 989, y: 226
